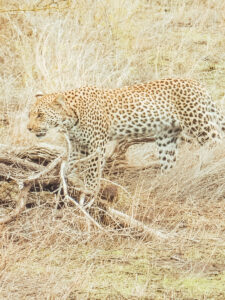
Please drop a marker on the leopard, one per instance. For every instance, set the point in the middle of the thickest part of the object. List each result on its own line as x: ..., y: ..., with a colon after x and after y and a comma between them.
x: 165, y: 110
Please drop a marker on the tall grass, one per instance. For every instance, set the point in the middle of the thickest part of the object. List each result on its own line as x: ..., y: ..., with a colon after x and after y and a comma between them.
x: 108, y: 44
x: 57, y: 45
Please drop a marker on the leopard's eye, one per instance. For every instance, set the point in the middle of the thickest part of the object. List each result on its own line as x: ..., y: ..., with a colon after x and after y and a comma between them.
x: 39, y: 115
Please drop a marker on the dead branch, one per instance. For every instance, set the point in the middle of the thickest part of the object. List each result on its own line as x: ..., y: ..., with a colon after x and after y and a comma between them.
x: 25, y: 164
x: 26, y: 185
x: 25, y: 172
x: 123, y: 145
x: 22, y: 198
x: 48, y: 169
x: 9, y: 159
x: 131, y: 222
x: 44, y: 164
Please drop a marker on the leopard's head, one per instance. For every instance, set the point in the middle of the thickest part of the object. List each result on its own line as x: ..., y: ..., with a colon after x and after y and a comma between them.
x: 50, y: 111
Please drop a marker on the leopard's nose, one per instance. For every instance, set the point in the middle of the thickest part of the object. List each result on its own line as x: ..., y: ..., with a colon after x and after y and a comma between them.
x: 29, y: 128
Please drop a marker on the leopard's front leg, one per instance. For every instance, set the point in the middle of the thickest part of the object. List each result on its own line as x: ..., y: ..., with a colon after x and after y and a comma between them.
x: 91, y: 139
x: 94, y: 168
x: 85, y: 169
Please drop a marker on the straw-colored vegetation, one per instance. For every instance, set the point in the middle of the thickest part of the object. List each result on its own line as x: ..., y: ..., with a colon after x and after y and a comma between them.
x: 51, y: 250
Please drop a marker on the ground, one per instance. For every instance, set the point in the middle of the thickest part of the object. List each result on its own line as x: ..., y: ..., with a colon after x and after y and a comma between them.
x: 50, y: 253
x: 54, y: 253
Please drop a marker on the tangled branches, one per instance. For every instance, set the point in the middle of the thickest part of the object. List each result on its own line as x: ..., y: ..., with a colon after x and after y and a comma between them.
x: 46, y: 165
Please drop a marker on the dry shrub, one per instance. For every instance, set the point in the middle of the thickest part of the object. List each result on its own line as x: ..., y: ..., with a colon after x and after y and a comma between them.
x: 195, y: 186
x: 55, y: 253
x: 53, y: 244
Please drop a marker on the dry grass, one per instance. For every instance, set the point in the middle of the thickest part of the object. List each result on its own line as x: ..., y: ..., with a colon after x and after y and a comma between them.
x: 50, y: 253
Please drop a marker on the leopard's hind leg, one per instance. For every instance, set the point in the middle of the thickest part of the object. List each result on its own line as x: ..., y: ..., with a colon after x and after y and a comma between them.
x: 167, y: 142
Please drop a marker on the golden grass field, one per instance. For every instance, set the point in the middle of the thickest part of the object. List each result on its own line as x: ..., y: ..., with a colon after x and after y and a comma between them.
x: 50, y: 253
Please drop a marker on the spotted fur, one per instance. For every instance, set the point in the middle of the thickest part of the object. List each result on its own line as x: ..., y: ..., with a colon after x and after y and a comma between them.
x: 163, y: 109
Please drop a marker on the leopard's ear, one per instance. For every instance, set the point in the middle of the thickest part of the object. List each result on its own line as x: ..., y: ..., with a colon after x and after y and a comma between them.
x: 59, y: 102
x: 39, y: 94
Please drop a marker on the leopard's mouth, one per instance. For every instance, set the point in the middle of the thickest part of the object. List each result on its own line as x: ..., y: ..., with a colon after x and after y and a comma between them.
x: 40, y: 134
